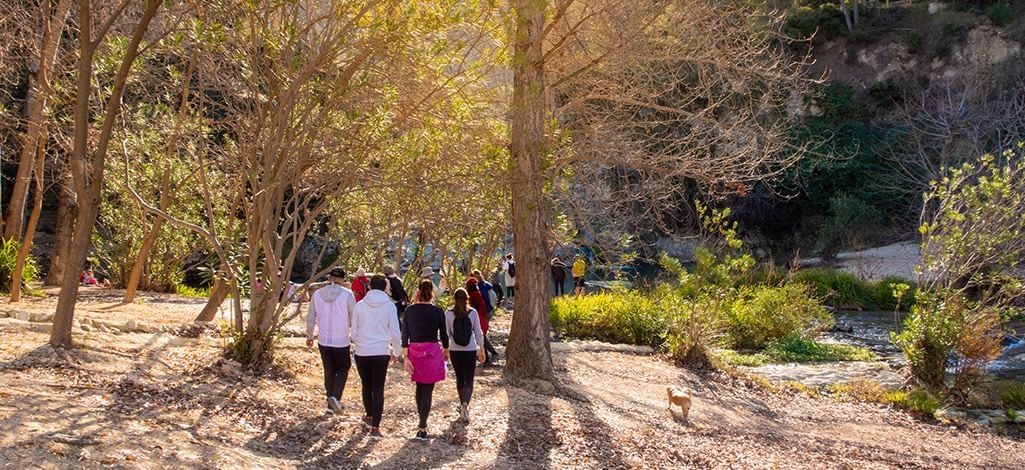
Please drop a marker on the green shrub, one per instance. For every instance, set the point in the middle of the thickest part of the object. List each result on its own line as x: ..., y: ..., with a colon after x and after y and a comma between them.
x: 734, y: 358
x: 615, y: 317
x: 1000, y: 12
x: 762, y: 314
x: 917, y: 401
x: 844, y: 290
x: 798, y: 348
x: 193, y: 292
x: 825, y: 21
x: 1012, y: 395
x: 9, y: 259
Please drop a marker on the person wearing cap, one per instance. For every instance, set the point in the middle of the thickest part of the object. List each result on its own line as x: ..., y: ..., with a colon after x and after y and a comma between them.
x: 360, y: 284
x: 427, y: 272
x: 330, y: 312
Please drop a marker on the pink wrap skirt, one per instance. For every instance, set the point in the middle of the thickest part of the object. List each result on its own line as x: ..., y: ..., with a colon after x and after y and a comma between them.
x: 428, y: 362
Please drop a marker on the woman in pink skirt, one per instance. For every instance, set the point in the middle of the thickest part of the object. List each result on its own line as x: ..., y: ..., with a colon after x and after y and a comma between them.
x: 425, y: 348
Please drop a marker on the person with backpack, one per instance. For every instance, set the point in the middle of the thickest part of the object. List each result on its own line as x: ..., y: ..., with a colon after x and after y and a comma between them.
x: 559, y: 276
x: 480, y: 305
x: 425, y: 349
x: 397, y: 290
x: 466, y: 347
x: 496, y: 282
x: 330, y: 311
x: 360, y: 284
x: 509, y: 266
x: 377, y: 340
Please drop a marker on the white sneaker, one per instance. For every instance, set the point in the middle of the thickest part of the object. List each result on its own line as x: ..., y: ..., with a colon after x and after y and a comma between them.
x: 464, y: 413
x: 334, y: 404
x: 330, y: 406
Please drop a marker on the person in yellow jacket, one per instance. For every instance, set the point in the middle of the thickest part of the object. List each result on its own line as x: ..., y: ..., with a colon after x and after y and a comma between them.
x: 579, y: 271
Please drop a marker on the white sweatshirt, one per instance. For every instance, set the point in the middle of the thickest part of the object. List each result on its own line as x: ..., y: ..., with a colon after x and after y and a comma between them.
x: 375, y: 326
x: 331, y: 309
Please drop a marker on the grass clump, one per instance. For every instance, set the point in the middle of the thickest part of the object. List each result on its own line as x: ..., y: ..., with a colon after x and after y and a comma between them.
x: 916, y: 401
x: 616, y: 317
x: 193, y: 292
x: 735, y: 358
x: 862, y: 390
x: 8, y: 261
x: 1012, y: 395
x: 796, y: 348
x: 763, y: 314
x: 844, y: 290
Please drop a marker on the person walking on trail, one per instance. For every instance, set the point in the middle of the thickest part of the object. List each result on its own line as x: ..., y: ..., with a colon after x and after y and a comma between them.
x: 466, y: 347
x: 496, y: 282
x: 330, y: 311
x: 377, y: 340
x: 477, y: 303
x: 559, y: 276
x: 396, y: 290
x: 486, y: 288
x: 425, y: 349
x: 509, y: 267
x: 579, y: 272
x: 360, y: 284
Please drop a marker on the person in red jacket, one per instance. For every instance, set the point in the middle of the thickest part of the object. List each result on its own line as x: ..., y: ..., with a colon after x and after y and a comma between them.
x: 477, y: 302
x: 360, y: 284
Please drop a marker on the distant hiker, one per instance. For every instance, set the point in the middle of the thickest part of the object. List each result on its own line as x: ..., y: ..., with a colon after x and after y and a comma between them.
x: 509, y: 267
x: 496, y: 281
x: 425, y: 349
x: 476, y: 300
x: 360, y: 284
x: 465, y: 345
x: 486, y: 291
x: 376, y: 336
x: 579, y: 272
x: 330, y: 310
x: 87, y: 278
x: 396, y: 290
x: 428, y: 273
x: 559, y: 276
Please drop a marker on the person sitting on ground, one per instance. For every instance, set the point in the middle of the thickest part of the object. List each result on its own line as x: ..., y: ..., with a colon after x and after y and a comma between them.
x: 466, y: 348
x: 360, y: 284
x: 330, y: 311
x: 88, y: 279
x: 376, y: 336
x: 425, y: 349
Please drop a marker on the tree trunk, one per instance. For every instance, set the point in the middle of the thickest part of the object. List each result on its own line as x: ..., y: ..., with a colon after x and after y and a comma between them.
x: 846, y: 15
x: 87, y: 173
x: 854, y: 3
x: 33, y: 220
x: 67, y: 209
x: 529, y: 353
x: 218, y: 292
x: 38, y: 94
x: 149, y: 240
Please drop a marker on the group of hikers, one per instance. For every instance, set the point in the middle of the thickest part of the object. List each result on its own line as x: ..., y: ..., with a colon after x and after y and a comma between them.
x: 579, y: 272
x: 372, y: 321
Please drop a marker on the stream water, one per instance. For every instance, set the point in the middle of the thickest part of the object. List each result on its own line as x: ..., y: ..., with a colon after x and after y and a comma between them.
x: 872, y: 330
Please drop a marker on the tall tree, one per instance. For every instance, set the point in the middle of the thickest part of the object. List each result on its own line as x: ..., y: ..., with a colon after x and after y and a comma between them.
x: 87, y: 169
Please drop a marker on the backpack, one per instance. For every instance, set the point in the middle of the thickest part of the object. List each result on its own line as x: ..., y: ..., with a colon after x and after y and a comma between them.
x: 462, y: 330
x: 512, y: 269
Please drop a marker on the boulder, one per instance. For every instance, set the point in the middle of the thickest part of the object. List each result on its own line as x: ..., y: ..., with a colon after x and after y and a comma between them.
x: 5, y: 313
x: 41, y: 317
x: 86, y: 326
x: 21, y: 315
x: 936, y: 7
x: 40, y: 327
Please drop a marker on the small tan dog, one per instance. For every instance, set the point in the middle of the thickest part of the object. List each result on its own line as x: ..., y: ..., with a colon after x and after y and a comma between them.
x: 680, y: 398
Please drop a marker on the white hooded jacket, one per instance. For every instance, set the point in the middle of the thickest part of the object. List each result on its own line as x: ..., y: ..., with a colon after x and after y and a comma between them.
x: 375, y: 326
x: 331, y: 309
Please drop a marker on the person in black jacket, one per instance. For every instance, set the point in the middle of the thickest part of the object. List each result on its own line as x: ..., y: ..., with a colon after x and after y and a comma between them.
x: 559, y: 276
x: 396, y: 290
x: 425, y: 349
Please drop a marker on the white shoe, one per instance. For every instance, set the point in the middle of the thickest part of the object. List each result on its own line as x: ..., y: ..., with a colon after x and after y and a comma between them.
x: 334, y: 405
x: 464, y: 413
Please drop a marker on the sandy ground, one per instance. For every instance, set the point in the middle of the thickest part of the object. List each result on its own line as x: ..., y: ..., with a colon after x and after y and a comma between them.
x: 159, y: 401
x: 898, y: 259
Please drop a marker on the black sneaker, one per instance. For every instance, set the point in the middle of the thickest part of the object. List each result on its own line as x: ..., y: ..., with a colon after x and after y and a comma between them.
x: 421, y: 435
x: 375, y: 433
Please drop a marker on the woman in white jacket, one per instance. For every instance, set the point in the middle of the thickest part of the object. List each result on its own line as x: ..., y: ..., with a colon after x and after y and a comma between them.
x: 377, y: 340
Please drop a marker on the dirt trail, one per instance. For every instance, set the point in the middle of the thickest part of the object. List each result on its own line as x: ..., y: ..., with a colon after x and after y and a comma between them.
x: 157, y: 401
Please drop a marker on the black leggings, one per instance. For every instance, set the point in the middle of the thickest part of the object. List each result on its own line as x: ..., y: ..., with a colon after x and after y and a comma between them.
x: 510, y: 291
x: 336, y: 369
x: 560, y: 288
x: 424, y: 393
x: 465, y: 365
x: 489, y: 349
x: 372, y: 372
